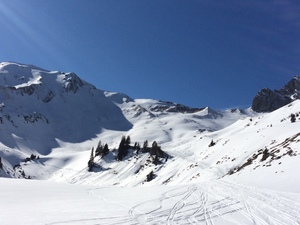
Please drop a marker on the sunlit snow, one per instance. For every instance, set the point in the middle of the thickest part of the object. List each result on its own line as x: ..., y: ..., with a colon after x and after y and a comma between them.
x: 248, y: 176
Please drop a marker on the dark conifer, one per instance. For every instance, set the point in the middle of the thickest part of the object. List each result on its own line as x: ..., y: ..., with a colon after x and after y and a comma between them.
x: 98, y: 149
x: 122, y: 150
x: 128, y: 140
x: 150, y: 176
x: 154, y: 148
x: 266, y: 154
x: 145, y: 146
x: 138, y: 148
x: 91, y: 161
x: 105, y: 150
x: 293, y: 118
x: 212, y: 143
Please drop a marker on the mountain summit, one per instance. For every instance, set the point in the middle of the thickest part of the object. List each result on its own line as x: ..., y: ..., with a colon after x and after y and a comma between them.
x: 41, y: 107
x: 267, y: 100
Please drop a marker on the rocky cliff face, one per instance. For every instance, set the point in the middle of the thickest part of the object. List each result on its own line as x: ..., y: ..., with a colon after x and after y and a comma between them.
x: 267, y: 100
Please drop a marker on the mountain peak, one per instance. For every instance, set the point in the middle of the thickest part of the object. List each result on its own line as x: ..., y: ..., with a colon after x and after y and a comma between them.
x: 267, y: 100
x: 57, y: 105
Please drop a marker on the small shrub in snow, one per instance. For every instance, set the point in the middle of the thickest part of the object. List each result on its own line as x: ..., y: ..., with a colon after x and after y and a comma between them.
x: 150, y: 176
x: 266, y: 154
x: 212, y: 143
x: 293, y: 118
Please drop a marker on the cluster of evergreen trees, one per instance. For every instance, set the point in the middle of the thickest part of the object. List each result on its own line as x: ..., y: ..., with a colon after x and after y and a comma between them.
x: 155, y: 151
x: 101, y: 151
x: 293, y: 117
x: 123, y: 147
x: 32, y: 157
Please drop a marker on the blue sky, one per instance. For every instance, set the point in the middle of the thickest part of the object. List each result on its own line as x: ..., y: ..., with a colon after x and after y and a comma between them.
x: 215, y: 53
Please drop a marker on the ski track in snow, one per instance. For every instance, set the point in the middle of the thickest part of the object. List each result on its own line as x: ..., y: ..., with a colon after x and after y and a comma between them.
x: 212, y: 203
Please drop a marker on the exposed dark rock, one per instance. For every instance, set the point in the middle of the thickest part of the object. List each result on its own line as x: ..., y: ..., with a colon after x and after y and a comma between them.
x: 73, y: 82
x: 49, y: 97
x: 292, y: 88
x: 267, y: 100
x: 27, y: 89
x: 173, y: 107
x: 183, y: 109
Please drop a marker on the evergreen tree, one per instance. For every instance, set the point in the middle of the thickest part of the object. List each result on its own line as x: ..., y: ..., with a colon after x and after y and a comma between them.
x: 160, y: 153
x: 98, y: 149
x: 128, y: 140
x: 157, y: 151
x: 156, y: 160
x: 293, y: 118
x: 154, y: 148
x: 105, y: 150
x: 138, y: 148
x: 123, y: 148
x: 150, y: 176
x: 32, y: 157
x: 145, y: 146
x: 123, y: 142
x: 154, y: 144
x: 91, y: 161
x: 266, y: 154
x: 1, y: 165
x: 212, y: 143
x: 92, y: 154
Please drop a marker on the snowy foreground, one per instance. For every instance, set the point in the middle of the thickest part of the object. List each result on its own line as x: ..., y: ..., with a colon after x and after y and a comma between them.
x: 217, y: 202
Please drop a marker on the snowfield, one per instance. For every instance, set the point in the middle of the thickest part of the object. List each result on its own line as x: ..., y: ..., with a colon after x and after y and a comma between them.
x: 216, y: 202
x: 219, y: 166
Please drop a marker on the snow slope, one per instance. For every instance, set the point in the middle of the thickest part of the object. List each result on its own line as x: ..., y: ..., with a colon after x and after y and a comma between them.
x: 193, y: 161
x: 218, y: 202
x: 221, y: 166
x: 39, y: 107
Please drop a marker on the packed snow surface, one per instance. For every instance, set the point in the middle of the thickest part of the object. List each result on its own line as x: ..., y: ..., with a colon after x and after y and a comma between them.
x: 218, y: 202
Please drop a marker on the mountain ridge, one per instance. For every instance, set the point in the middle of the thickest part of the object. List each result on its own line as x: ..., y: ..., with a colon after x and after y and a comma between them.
x: 50, y: 121
x: 267, y: 100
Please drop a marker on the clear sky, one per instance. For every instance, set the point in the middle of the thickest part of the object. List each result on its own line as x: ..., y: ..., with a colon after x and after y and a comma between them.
x: 216, y: 53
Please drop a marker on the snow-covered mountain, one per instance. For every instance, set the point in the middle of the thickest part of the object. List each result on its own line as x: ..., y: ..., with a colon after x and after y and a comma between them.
x: 51, y: 120
x: 42, y: 111
x: 38, y: 107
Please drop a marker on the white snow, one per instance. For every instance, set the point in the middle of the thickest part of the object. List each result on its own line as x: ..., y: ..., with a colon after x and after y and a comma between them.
x: 227, y: 183
x: 217, y: 202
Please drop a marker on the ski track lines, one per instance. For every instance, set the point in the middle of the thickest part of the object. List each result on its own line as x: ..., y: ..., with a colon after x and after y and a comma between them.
x: 265, y: 207
x: 213, y: 203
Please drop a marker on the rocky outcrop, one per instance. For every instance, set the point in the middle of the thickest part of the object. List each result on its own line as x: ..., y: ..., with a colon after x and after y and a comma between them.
x: 72, y: 82
x: 174, y: 107
x: 267, y: 100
